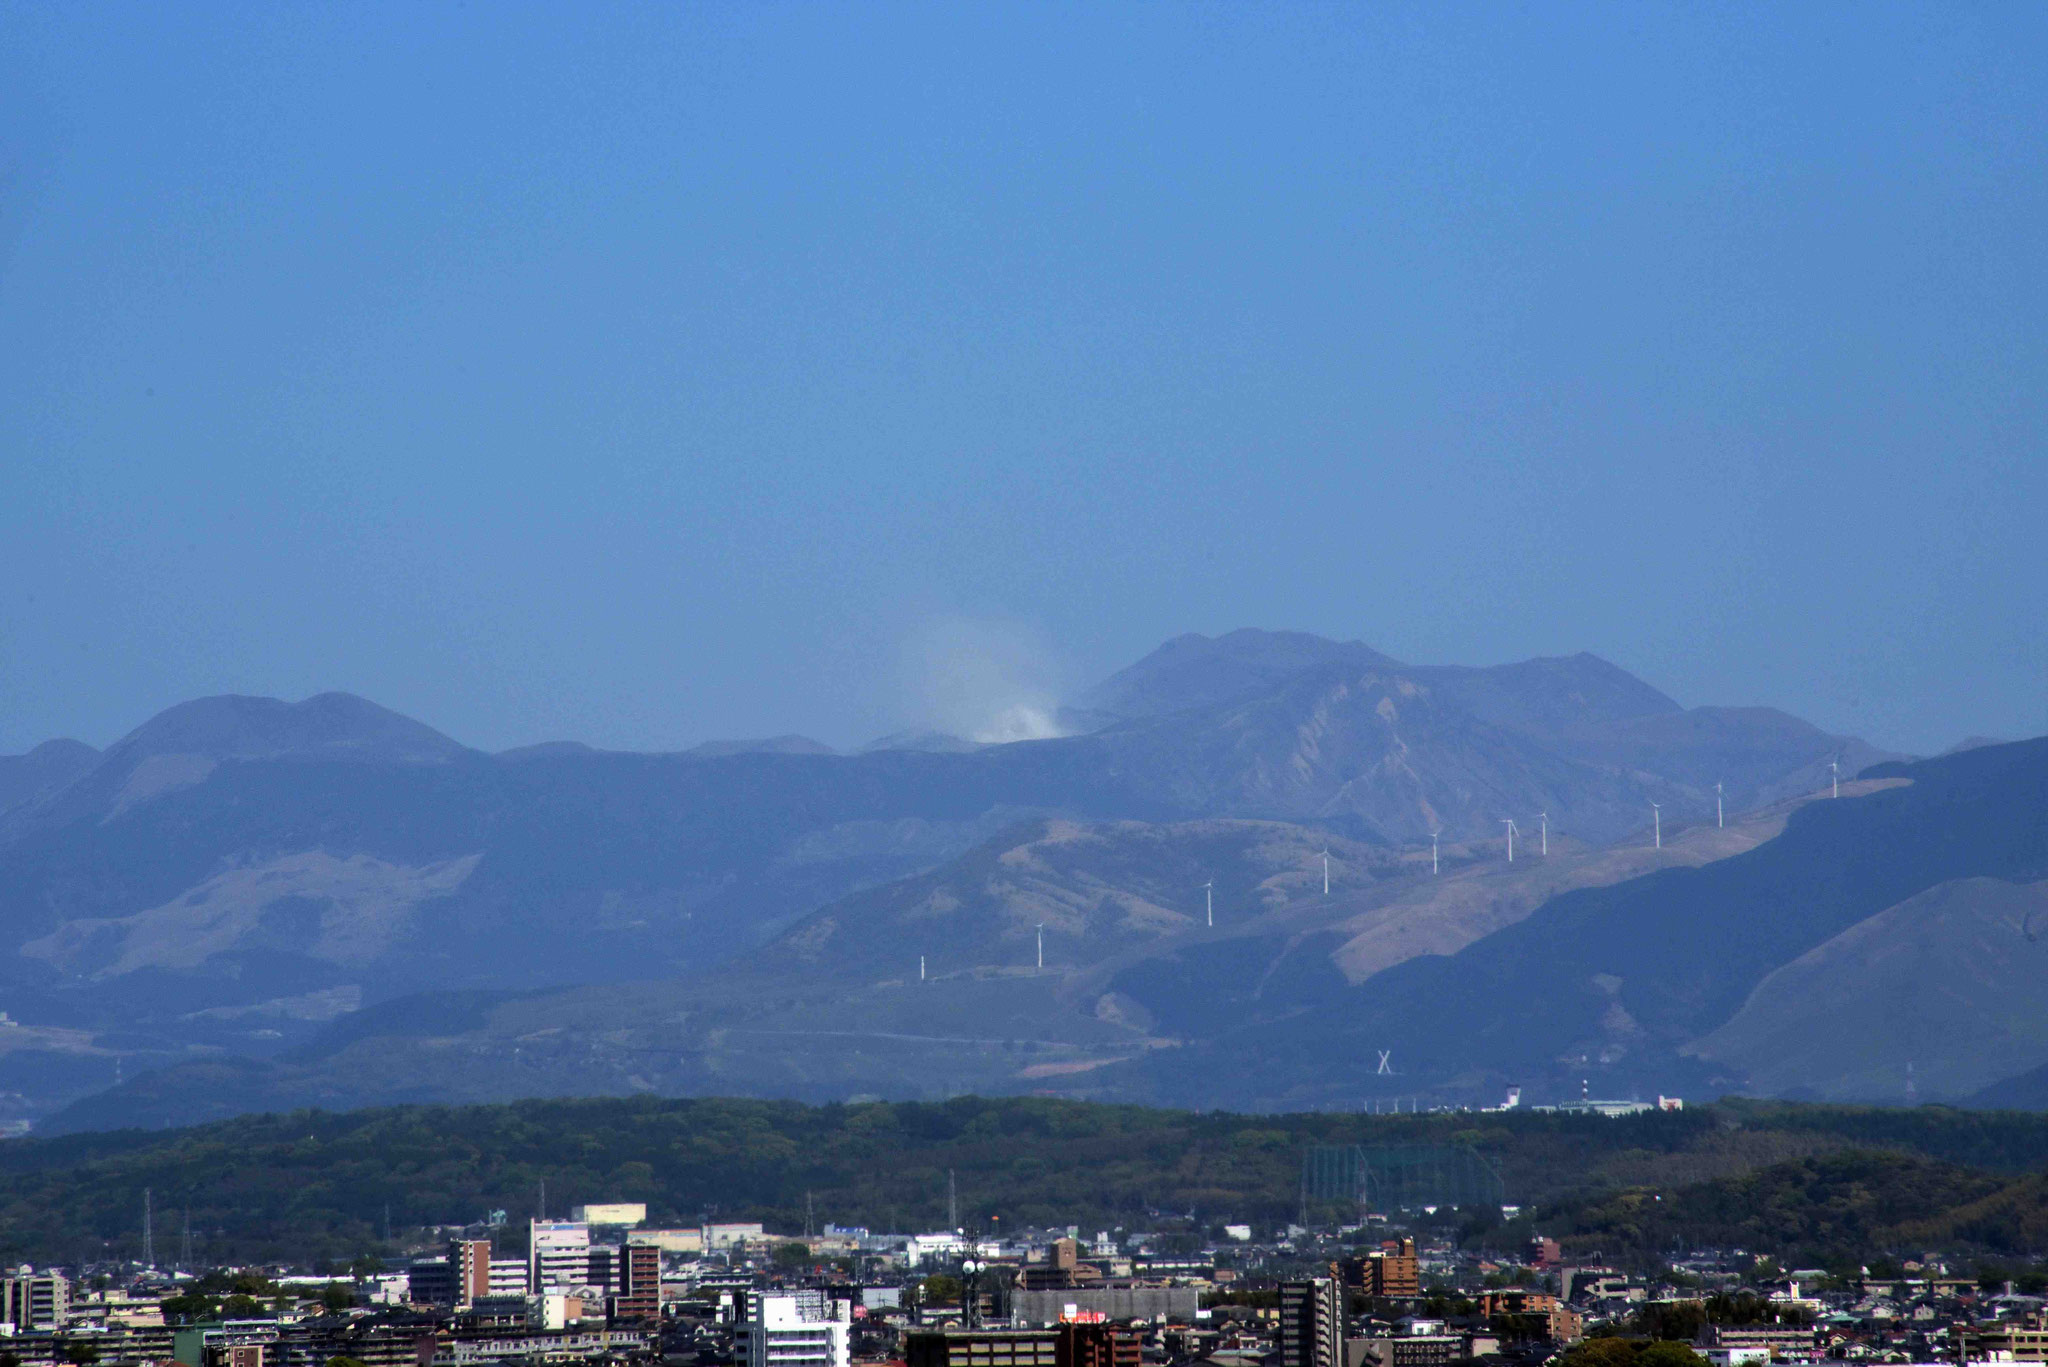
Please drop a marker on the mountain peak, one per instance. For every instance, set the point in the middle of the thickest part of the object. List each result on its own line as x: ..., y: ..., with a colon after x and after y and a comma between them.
x: 1193, y: 670
x: 324, y: 726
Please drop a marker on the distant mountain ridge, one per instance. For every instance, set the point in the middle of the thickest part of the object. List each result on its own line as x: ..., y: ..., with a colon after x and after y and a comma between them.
x: 43, y: 772
x: 238, y: 855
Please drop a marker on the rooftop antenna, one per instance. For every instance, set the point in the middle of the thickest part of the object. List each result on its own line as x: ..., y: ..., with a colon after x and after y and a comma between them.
x: 1544, y: 817
x: 1209, y: 900
x: 148, y: 1232
x: 1326, y: 870
x: 1835, y: 772
x: 1385, y: 1069
x: 1657, y: 822
x: 1041, y: 946
x: 1719, y: 819
x: 1509, y: 822
x: 1432, y: 850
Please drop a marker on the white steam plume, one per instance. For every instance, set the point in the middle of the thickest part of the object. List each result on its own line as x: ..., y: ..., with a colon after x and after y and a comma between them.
x: 992, y: 682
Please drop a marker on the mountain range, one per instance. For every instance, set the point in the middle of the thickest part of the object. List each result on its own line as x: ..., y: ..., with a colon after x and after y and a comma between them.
x: 247, y: 903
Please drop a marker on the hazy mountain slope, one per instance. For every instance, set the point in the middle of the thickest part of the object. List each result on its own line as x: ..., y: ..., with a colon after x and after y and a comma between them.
x: 833, y: 1007
x: 1377, y: 751
x: 43, y: 771
x: 225, y: 874
x: 1202, y: 671
x: 2027, y: 1091
x: 1096, y: 890
x: 771, y: 745
x: 1392, y: 752
x: 1934, y: 998
x: 1548, y: 699
x: 182, y: 746
x: 1611, y: 982
x: 1759, y: 754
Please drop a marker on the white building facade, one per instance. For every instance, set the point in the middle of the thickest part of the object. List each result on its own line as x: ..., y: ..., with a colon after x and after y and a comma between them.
x: 795, y: 1329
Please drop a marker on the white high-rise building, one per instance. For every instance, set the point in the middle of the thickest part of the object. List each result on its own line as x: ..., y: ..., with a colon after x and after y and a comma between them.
x: 557, y: 1255
x: 794, y: 1329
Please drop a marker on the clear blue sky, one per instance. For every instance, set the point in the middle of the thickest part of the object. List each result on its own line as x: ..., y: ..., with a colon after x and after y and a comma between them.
x: 647, y: 374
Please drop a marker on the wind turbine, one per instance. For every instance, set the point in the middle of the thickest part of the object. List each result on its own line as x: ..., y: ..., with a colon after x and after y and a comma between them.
x: 1386, y: 1070
x: 1326, y: 870
x: 1432, y: 850
x: 1657, y: 822
x: 1719, y: 819
x: 1835, y: 771
x: 1209, y: 900
x: 1509, y: 822
x: 1544, y: 817
x: 1041, y: 946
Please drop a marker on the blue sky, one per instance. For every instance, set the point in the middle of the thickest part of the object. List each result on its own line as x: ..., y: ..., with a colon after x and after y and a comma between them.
x: 649, y: 374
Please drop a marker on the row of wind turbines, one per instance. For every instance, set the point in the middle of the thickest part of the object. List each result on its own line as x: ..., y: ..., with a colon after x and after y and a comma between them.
x: 1435, y: 865
x: 1656, y: 819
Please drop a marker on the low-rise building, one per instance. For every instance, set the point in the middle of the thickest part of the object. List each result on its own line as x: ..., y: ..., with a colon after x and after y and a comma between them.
x: 982, y: 1348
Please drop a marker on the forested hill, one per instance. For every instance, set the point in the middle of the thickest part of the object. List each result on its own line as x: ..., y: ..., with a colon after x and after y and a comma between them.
x: 317, y: 1185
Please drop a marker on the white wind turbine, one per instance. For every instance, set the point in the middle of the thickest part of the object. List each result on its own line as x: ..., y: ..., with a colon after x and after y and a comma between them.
x: 1432, y: 850
x: 1657, y: 822
x: 1209, y: 900
x: 1544, y: 817
x: 1719, y: 819
x: 1509, y: 822
x: 1835, y: 772
x: 1326, y: 870
x: 1041, y: 945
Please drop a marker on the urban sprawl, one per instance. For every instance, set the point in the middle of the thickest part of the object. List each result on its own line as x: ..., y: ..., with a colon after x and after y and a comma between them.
x: 605, y: 1286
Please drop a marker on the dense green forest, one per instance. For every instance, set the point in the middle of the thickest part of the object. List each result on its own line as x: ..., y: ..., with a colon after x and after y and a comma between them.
x: 313, y: 1185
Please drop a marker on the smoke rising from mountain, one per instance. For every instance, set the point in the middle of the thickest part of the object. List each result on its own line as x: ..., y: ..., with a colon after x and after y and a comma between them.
x: 989, y: 681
